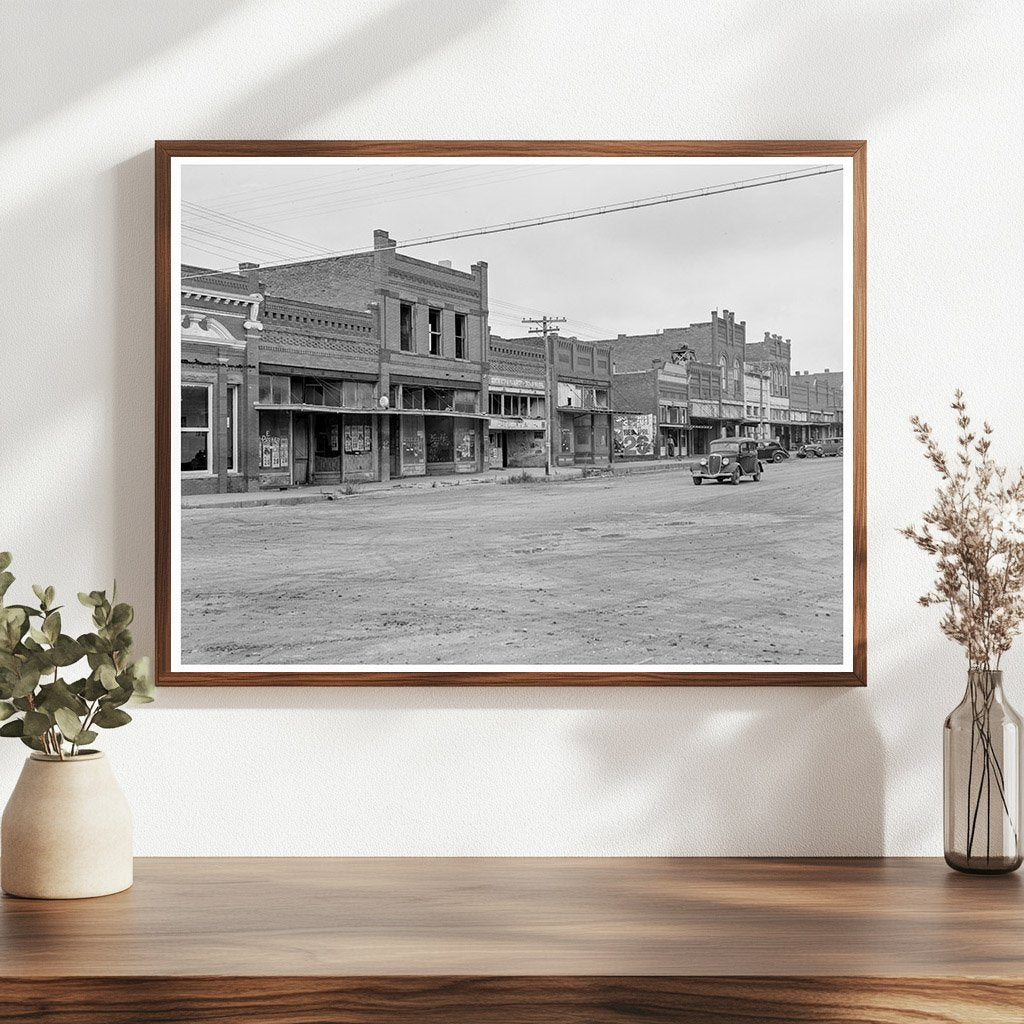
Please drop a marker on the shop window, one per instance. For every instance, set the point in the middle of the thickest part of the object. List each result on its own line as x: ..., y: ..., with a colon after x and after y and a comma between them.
x: 434, y: 331
x: 195, y: 428
x: 494, y: 404
x: 395, y: 396
x: 357, y: 394
x: 275, y: 389
x: 312, y: 393
x: 600, y: 399
x: 466, y: 401
x: 460, y: 336
x: 332, y: 393
x: 274, y: 441
x: 412, y: 398
x: 405, y: 326
x: 465, y: 442
x: 232, y: 428
x: 358, y: 435
x: 439, y: 399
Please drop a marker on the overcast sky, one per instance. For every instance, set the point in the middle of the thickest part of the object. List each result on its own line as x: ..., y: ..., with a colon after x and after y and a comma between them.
x: 772, y: 254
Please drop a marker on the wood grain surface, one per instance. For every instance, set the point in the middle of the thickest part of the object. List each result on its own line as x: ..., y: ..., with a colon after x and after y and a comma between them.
x: 855, y: 392
x: 504, y: 940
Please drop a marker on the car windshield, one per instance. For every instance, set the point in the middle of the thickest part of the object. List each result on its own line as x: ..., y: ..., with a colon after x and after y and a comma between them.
x: 725, y: 446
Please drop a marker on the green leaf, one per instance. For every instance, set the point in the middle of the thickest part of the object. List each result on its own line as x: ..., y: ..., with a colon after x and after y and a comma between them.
x: 69, y: 724
x: 27, y: 681
x: 94, y: 689
x: 86, y: 736
x: 96, y: 647
x: 13, y: 626
x: 115, y: 698
x: 40, y: 593
x: 59, y: 695
x: 51, y: 626
x: 142, y: 678
x: 6, y: 579
x: 66, y: 651
x: 93, y: 644
x: 36, y: 723
x: 89, y: 600
x: 31, y: 741
x: 14, y: 728
x: 50, y: 594
x: 38, y: 635
x: 5, y: 559
x: 107, y: 676
x: 6, y: 710
x: 111, y: 718
x: 122, y: 616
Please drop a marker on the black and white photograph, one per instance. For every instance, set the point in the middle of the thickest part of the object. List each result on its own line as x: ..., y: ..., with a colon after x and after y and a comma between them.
x: 525, y: 414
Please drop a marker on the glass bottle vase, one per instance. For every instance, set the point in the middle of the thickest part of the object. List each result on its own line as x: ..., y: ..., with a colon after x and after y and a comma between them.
x: 981, y: 771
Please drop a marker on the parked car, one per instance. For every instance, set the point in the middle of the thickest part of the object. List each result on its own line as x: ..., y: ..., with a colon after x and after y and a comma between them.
x: 772, y: 451
x: 832, y: 446
x: 730, y: 459
x: 811, y: 450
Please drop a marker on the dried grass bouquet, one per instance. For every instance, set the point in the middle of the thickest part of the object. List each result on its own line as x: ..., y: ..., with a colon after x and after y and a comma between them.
x: 975, y: 530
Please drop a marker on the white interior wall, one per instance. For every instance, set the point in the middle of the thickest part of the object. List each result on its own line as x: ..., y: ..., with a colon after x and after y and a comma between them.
x: 936, y: 88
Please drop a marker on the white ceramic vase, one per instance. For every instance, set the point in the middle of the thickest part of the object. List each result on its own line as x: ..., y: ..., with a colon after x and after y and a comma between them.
x: 66, y: 831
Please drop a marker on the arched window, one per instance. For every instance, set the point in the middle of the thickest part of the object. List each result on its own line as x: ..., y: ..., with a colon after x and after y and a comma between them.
x: 723, y: 372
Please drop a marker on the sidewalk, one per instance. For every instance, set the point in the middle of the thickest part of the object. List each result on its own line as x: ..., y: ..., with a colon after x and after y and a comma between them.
x: 338, y: 492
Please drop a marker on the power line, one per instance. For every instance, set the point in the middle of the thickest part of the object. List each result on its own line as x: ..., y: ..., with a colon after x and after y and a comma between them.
x: 595, y: 211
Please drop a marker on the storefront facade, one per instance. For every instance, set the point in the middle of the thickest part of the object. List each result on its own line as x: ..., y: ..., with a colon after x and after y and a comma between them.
x: 517, y: 405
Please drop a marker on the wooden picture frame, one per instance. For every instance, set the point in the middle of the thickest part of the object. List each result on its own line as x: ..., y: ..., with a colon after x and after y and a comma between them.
x: 169, y: 154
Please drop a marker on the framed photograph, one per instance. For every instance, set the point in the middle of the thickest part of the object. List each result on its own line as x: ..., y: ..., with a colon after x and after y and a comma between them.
x: 493, y: 413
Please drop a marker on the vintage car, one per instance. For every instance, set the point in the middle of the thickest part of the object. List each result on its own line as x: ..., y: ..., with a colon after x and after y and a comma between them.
x: 811, y: 450
x: 772, y: 451
x: 729, y: 459
x: 832, y: 446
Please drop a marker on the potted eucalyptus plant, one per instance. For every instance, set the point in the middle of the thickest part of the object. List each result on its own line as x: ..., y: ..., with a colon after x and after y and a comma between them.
x: 975, y: 532
x: 66, y: 830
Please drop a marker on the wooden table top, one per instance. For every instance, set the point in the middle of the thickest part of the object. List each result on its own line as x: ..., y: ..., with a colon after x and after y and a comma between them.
x: 326, y: 917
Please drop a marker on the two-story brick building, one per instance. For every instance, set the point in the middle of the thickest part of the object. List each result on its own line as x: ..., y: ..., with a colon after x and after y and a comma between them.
x: 767, y: 393
x: 714, y: 353
x: 219, y: 344
x: 816, y: 406
x: 518, y: 382
x: 650, y: 418
x: 431, y: 332
x: 579, y: 385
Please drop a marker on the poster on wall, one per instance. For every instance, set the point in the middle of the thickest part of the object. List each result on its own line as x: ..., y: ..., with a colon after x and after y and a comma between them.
x: 748, y: 512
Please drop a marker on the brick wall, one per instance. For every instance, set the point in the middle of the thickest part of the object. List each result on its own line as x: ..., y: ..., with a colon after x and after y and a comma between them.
x: 348, y: 281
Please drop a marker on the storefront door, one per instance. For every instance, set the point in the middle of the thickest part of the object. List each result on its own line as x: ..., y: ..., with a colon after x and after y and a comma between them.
x: 300, y: 449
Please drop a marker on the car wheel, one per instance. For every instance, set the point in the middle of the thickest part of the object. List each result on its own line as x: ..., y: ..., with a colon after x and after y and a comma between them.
x: 735, y: 478
x: 697, y: 481
x: 778, y: 457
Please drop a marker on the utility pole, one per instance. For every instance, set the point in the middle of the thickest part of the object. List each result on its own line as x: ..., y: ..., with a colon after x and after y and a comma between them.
x: 542, y: 326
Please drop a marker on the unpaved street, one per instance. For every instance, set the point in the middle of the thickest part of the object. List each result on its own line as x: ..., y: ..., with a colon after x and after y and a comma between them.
x: 643, y: 569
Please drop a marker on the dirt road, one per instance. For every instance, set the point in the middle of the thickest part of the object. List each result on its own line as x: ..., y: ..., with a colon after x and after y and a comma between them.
x: 621, y: 570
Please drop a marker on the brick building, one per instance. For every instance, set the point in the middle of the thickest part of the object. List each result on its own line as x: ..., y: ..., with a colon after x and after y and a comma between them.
x: 768, y: 371
x: 816, y: 406
x: 353, y: 368
x: 517, y: 401
x: 713, y: 352
x: 220, y: 334
x: 579, y: 418
x: 650, y: 418
x: 431, y: 331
